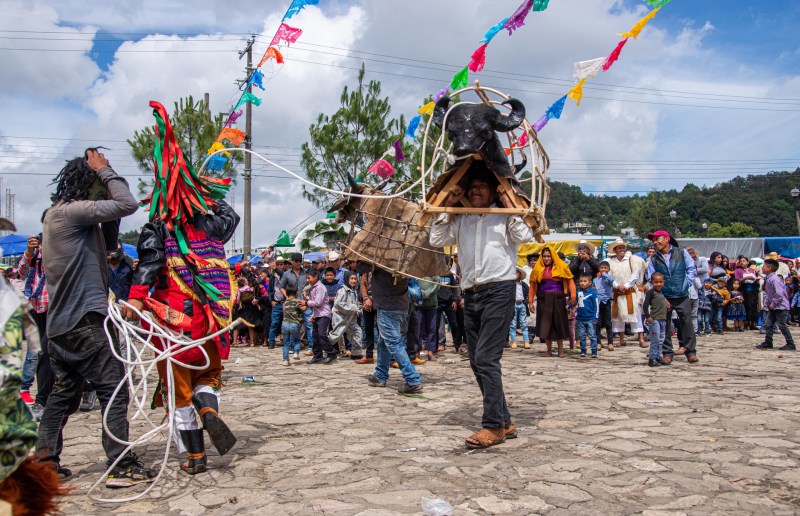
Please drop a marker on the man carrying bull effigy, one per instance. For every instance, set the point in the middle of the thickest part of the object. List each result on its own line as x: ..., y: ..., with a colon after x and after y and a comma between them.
x: 182, y: 259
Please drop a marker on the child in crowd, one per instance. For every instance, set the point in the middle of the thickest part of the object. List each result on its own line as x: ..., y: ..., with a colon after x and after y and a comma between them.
x: 776, y: 302
x: 604, y: 285
x: 751, y: 293
x: 704, y: 308
x: 586, y: 315
x: 290, y: 328
x: 345, y: 316
x: 719, y: 301
x: 521, y: 312
x: 317, y: 300
x: 654, y: 310
x: 736, y: 311
x: 330, y: 283
x: 246, y: 309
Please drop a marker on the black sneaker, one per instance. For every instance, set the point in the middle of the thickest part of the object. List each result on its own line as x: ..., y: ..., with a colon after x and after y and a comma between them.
x: 316, y: 360
x: 764, y: 345
x: 788, y: 347
x: 662, y: 361
x: 652, y: 362
x: 130, y: 475
x: 583, y: 354
x: 410, y: 389
x: 329, y: 358
x: 374, y: 382
x: 594, y: 355
x: 88, y: 401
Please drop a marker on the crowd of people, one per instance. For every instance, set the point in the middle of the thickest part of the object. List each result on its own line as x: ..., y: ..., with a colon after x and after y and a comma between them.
x: 335, y: 308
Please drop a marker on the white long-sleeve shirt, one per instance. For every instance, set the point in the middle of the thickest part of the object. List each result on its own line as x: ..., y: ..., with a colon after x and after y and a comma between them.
x: 487, y: 245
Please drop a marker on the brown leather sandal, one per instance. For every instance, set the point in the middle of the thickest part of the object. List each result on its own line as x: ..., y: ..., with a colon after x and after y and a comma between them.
x: 511, y: 431
x: 486, y: 437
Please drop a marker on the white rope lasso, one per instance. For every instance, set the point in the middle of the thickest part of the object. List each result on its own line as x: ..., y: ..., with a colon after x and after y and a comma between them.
x: 133, y: 359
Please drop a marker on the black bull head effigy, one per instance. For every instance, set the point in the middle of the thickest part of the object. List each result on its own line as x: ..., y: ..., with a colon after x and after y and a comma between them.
x: 472, y: 128
x: 388, y: 235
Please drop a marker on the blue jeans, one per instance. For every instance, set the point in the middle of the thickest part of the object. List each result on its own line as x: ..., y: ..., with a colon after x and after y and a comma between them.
x: 307, y: 315
x: 657, y: 332
x: 518, y: 321
x: 29, y: 370
x: 717, y: 320
x: 584, y: 330
x: 704, y: 320
x: 392, y: 344
x: 291, y: 338
x: 275, y: 323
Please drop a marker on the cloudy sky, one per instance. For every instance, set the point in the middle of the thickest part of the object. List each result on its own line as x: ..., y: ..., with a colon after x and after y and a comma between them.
x: 709, y: 90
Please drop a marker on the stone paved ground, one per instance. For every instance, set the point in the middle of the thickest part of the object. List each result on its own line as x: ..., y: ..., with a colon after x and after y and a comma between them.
x: 596, y: 436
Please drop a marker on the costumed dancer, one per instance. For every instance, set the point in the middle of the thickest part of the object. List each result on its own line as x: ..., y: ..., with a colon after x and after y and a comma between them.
x: 182, y: 258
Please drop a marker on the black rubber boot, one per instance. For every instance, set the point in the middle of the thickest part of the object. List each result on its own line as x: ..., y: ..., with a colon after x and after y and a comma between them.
x: 193, y: 440
x: 221, y: 436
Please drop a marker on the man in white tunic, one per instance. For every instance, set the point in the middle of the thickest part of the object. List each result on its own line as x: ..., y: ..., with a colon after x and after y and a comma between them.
x: 628, y: 271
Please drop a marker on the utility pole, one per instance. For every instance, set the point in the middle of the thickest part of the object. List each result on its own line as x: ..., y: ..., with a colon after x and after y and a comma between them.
x: 248, y: 144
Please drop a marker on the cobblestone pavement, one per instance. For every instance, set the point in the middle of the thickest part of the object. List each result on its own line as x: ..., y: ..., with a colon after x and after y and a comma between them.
x: 596, y: 436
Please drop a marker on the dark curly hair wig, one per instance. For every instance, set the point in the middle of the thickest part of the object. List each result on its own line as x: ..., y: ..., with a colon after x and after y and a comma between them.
x: 73, y: 182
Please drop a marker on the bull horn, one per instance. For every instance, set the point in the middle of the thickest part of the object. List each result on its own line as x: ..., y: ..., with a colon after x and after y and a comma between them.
x: 382, y: 184
x: 505, y: 123
x: 440, y: 110
x: 351, y: 181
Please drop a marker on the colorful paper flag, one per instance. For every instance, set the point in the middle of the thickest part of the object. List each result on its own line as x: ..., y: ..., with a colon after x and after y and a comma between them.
x: 427, y: 109
x: 297, y: 6
x: 285, y: 33
x: 216, y: 147
x: 478, y: 59
x: 637, y: 28
x: 491, y: 33
x: 517, y: 19
x: 460, y: 80
x: 412, y: 127
x: 588, y: 69
x: 398, y: 150
x: 541, y: 5
x: 271, y: 53
x: 576, y: 93
x: 248, y: 97
x: 233, y: 117
x: 555, y: 110
x: 216, y: 163
x: 234, y: 136
x: 439, y: 94
x: 523, y: 139
x: 657, y: 3
x: 614, y: 55
x: 539, y: 124
x: 257, y: 79
x: 382, y: 168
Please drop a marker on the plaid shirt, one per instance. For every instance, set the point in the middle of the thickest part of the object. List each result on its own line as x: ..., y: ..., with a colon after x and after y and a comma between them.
x: 40, y: 304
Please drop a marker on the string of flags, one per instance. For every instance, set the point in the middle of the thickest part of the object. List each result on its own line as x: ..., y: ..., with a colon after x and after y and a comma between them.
x: 589, y: 69
x: 476, y: 63
x: 284, y: 36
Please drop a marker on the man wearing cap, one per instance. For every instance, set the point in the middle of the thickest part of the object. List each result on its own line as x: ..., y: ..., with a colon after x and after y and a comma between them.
x: 584, y: 263
x: 679, y: 271
x: 487, y: 246
x: 296, y: 276
x: 335, y: 261
x: 628, y: 271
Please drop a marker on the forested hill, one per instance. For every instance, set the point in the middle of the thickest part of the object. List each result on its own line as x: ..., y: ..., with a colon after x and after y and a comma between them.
x: 762, y: 202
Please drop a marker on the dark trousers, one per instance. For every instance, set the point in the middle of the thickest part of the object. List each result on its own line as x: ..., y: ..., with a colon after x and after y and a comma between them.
x: 452, y: 320
x: 410, y: 330
x: 428, y: 329
x: 462, y: 332
x: 779, y: 318
x: 487, y: 316
x: 682, y: 305
x: 369, y: 332
x: 44, y: 373
x: 83, y: 353
x: 319, y: 337
x: 605, y: 321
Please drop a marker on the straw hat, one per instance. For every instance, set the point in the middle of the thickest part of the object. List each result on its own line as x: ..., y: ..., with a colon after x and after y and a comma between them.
x: 616, y: 243
x: 587, y: 244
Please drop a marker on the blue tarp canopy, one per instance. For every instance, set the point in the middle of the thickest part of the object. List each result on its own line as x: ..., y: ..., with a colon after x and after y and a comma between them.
x: 314, y: 256
x: 236, y: 258
x: 788, y: 247
x: 130, y: 250
x: 14, y: 244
